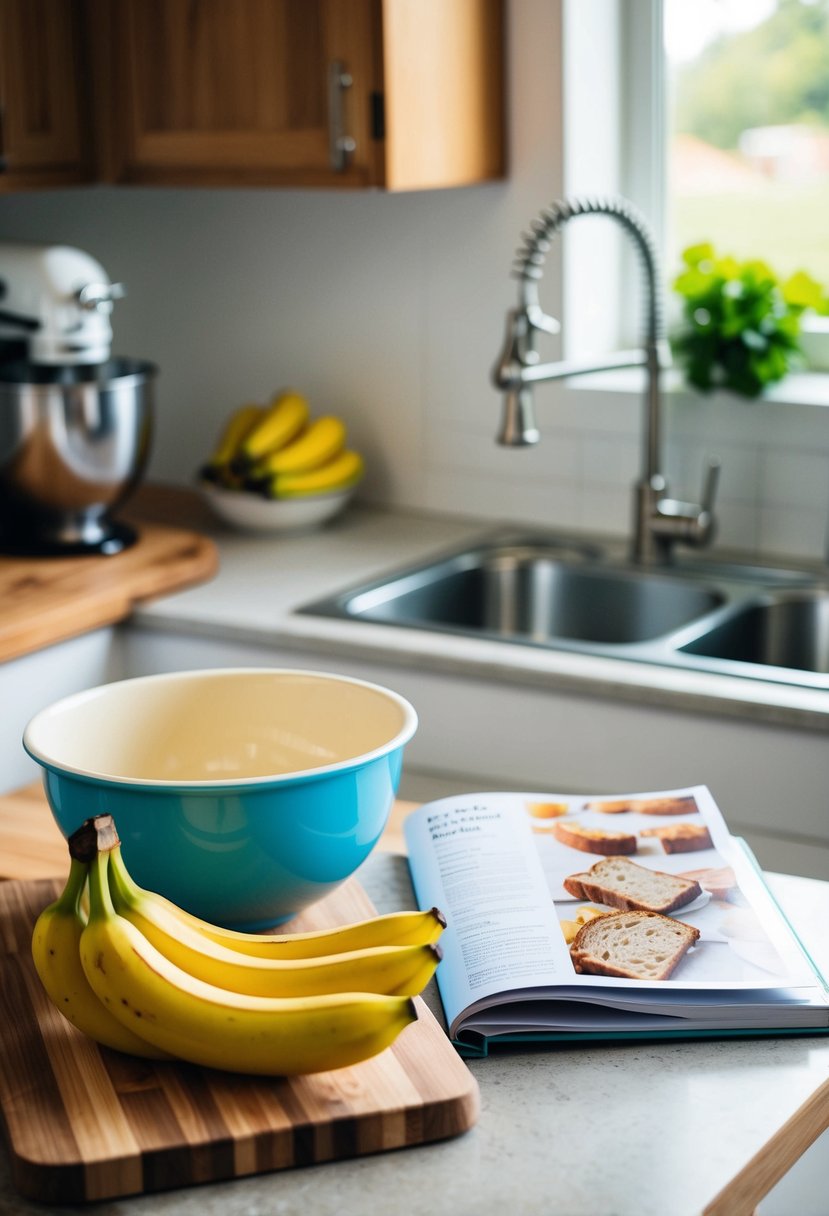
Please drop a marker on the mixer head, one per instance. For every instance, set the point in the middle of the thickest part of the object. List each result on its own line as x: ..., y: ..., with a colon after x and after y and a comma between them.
x: 55, y: 305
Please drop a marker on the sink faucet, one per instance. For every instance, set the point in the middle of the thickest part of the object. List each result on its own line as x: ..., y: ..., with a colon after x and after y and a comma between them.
x: 659, y: 521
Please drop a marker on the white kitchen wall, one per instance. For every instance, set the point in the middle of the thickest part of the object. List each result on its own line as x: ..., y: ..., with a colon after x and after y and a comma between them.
x: 390, y: 310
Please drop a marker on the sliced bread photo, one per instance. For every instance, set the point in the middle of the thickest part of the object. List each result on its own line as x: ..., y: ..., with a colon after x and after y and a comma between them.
x: 594, y: 840
x: 622, y: 883
x: 632, y: 945
x: 681, y: 837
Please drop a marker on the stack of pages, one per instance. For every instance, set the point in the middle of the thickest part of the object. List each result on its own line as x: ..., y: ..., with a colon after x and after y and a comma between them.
x: 605, y: 916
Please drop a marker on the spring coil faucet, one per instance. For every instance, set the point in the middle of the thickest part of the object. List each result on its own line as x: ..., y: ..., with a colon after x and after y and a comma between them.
x: 659, y: 521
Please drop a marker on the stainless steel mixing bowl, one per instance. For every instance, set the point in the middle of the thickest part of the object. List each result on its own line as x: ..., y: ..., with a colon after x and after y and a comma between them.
x: 74, y: 443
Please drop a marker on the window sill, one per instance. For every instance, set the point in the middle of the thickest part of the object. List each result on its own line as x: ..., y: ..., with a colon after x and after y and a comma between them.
x: 799, y: 388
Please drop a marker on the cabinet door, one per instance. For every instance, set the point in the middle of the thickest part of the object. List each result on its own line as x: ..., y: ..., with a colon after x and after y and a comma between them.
x: 243, y: 92
x: 43, y: 124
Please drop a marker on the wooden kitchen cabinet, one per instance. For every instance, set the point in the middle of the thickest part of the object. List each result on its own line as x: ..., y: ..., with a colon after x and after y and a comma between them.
x: 45, y: 136
x: 259, y: 92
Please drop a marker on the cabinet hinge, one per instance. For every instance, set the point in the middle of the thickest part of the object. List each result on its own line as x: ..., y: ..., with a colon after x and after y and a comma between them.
x: 377, y: 102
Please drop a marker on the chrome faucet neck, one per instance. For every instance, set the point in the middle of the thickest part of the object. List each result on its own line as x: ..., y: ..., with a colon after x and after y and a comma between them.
x: 659, y: 521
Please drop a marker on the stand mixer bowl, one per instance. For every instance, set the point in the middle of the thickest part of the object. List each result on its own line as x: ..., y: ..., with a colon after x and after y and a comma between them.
x: 74, y: 443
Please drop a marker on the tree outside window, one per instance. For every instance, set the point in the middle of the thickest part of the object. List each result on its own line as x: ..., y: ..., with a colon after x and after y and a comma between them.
x: 749, y: 146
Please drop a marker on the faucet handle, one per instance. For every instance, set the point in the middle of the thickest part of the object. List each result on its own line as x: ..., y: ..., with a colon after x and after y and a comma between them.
x: 541, y: 320
x: 669, y: 519
x: 710, y: 485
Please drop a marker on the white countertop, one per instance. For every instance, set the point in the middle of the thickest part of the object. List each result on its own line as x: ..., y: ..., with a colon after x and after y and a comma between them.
x: 263, y: 580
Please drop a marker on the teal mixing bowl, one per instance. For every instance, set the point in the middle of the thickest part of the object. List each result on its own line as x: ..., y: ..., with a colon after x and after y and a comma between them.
x: 242, y: 794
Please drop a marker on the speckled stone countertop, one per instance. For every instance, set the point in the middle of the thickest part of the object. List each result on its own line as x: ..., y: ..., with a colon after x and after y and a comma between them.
x: 263, y: 580
x: 634, y: 1130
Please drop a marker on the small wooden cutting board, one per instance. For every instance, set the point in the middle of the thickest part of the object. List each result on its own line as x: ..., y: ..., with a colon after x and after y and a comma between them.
x: 48, y: 599
x: 86, y: 1123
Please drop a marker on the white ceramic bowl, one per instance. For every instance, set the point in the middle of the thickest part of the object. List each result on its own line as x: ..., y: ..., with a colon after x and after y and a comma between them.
x: 252, y: 513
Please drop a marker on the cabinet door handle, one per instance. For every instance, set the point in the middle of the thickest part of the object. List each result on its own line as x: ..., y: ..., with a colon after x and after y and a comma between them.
x: 4, y: 164
x: 340, y: 144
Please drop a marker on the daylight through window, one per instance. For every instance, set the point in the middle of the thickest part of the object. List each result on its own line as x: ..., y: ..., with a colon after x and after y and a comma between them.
x: 749, y: 130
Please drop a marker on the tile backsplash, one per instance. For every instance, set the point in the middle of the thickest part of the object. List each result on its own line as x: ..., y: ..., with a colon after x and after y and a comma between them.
x: 774, y: 484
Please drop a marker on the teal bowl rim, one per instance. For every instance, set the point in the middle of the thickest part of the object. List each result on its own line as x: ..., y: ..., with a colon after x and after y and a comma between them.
x: 225, y: 785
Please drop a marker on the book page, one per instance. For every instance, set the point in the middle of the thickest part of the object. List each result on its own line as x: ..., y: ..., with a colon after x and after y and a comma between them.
x: 474, y: 858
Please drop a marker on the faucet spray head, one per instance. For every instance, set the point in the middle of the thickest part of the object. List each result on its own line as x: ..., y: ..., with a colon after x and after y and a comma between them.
x: 518, y: 427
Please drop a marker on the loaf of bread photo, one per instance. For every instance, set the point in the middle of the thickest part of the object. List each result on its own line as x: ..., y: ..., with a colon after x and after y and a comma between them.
x: 594, y: 840
x: 622, y: 883
x: 632, y: 945
x: 684, y: 804
x: 616, y: 806
x: 680, y: 837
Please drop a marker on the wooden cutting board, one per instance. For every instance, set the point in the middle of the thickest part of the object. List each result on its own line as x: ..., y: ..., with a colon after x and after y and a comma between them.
x: 48, y: 599
x: 86, y: 1123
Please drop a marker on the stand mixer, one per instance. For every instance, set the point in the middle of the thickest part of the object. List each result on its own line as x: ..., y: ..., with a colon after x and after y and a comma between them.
x: 75, y: 423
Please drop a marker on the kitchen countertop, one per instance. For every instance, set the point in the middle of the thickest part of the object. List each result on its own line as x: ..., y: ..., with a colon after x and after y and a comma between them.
x: 637, y: 1129
x: 262, y: 580
x: 249, y: 587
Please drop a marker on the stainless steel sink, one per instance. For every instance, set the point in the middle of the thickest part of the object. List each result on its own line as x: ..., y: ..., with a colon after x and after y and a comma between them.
x: 558, y: 594
x: 527, y: 592
x: 789, y: 632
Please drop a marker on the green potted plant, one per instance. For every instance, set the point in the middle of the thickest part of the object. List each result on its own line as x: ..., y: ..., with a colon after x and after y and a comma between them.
x: 740, y: 326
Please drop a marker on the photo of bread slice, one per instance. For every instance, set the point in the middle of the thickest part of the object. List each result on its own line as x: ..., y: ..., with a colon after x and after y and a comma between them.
x: 684, y: 805
x: 617, y: 806
x: 622, y: 883
x: 632, y: 945
x: 594, y: 840
x: 681, y: 837
x: 674, y: 805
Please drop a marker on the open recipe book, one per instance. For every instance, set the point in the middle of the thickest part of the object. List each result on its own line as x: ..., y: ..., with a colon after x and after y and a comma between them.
x: 605, y: 917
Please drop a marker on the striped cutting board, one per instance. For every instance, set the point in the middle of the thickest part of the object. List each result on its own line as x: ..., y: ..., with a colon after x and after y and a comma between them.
x: 85, y: 1123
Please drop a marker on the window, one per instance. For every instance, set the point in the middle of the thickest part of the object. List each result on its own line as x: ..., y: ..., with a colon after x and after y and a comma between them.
x: 712, y: 116
x: 748, y: 111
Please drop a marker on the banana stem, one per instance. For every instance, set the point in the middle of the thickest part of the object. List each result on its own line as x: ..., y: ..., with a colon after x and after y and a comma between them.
x: 100, y: 900
x: 95, y: 835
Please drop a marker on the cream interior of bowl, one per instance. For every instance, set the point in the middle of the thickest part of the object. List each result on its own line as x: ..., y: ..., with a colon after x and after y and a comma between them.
x: 216, y: 726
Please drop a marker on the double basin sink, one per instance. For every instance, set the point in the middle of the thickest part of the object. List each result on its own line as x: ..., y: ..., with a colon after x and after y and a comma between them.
x: 558, y: 594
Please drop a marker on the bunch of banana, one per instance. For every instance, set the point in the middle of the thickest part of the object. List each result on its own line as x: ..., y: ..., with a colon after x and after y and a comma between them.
x: 281, y: 422
x: 143, y: 976
x: 279, y: 451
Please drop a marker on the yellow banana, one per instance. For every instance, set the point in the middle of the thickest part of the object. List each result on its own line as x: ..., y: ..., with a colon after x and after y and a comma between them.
x: 282, y: 422
x: 391, y: 929
x: 206, y: 1025
x: 320, y: 442
x: 237, y: 427
x: 55, y: 950
x: 398, y: 970
x: 342, y: 471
